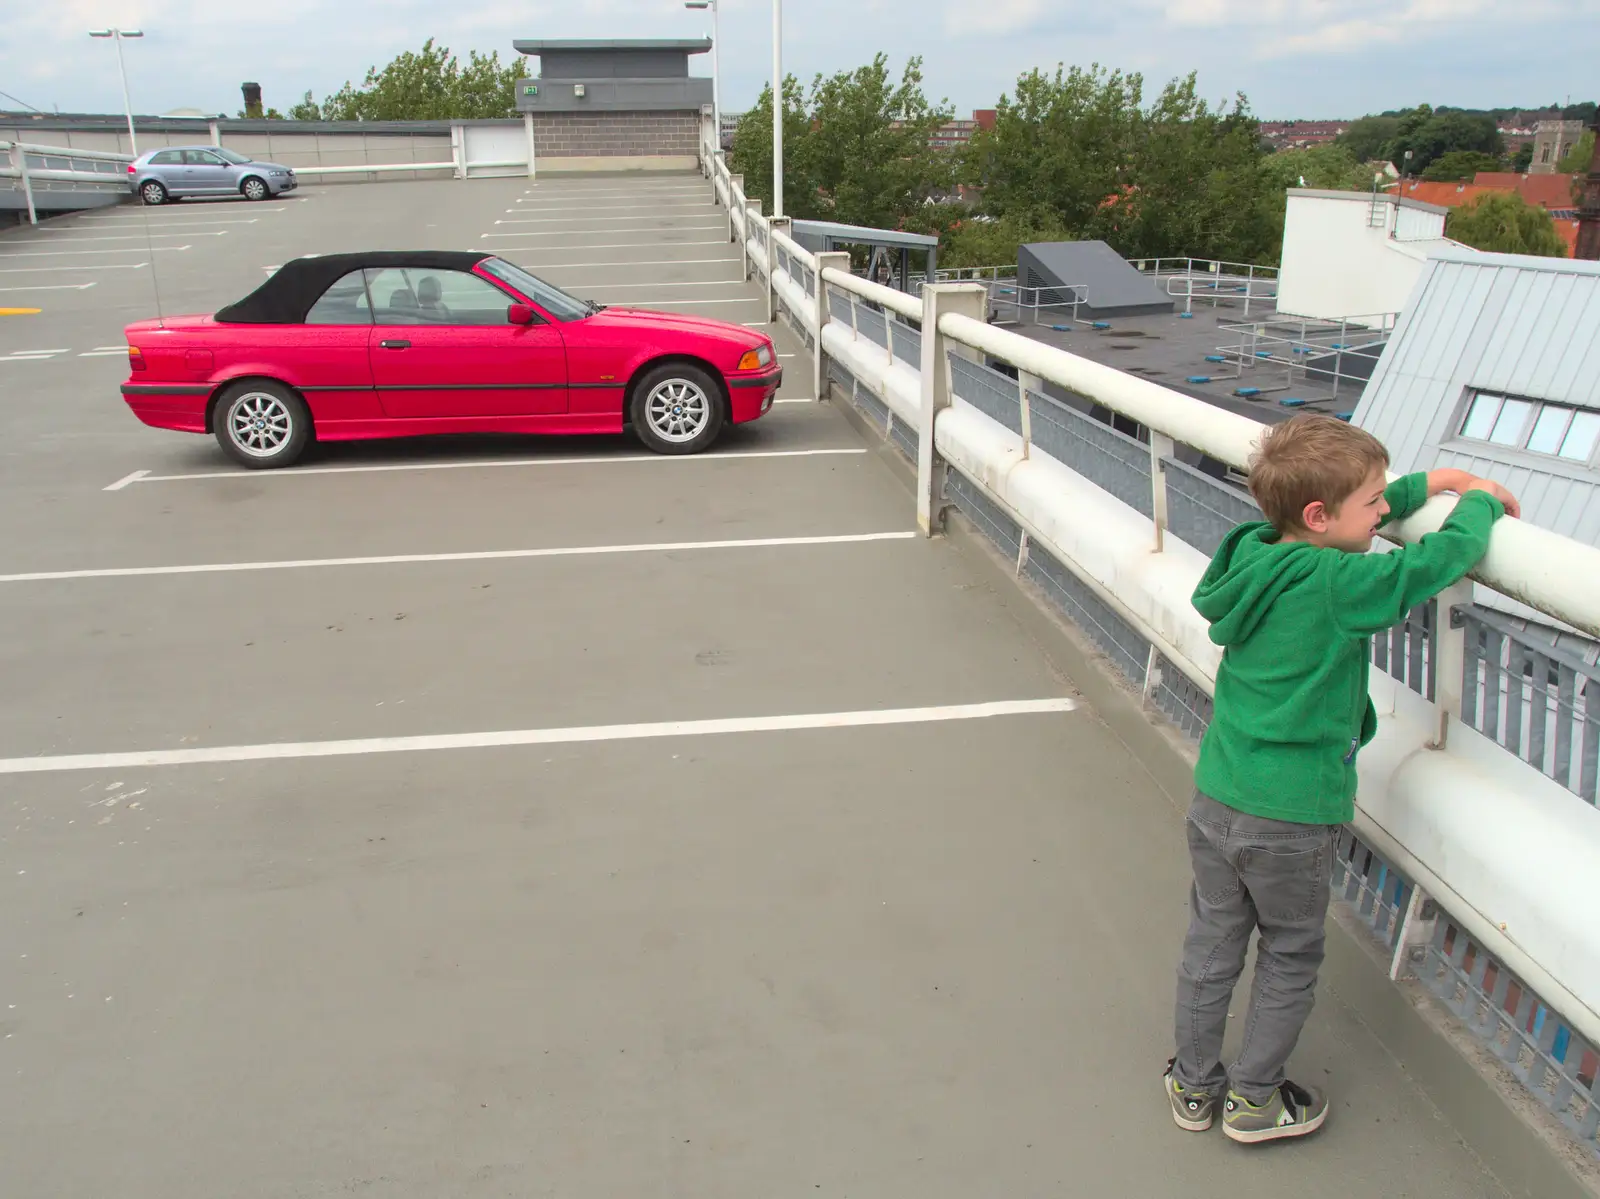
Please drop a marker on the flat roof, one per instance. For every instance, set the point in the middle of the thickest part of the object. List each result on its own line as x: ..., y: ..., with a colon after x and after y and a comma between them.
x: 1367, y: 198
x: 698, y: 45
x: 863, y: 235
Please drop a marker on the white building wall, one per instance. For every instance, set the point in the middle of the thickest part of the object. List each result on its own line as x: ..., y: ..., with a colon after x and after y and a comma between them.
x: 1337, y: 264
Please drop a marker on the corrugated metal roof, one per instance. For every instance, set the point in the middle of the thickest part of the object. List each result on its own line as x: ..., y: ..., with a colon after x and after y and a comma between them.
x: 1504, y: 323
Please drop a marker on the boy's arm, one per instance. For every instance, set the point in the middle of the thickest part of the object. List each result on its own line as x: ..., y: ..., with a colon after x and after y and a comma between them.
x: 1373, y: 592
x: 1409, y: 492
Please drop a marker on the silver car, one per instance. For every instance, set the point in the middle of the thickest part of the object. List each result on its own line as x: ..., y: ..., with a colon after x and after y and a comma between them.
x: 178, y: 171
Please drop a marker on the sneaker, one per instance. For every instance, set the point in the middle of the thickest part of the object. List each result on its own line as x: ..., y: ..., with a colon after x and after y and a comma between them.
x: 1293, y: 1111
x: 1191, y: 1110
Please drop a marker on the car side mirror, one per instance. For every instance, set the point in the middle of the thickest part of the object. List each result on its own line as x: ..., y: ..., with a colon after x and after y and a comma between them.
x: 520, y: 314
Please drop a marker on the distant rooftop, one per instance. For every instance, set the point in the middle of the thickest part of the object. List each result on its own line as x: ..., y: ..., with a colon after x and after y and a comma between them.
x: 699, y: 45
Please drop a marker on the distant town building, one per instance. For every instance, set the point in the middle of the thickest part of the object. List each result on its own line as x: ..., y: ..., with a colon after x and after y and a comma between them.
x: 952, y: 135
x: 1297, y: 135
x: 1554, y: 193
x: 1553, y: 141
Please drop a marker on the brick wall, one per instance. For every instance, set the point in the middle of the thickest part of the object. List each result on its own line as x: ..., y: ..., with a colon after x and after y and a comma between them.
x: 616, y: 134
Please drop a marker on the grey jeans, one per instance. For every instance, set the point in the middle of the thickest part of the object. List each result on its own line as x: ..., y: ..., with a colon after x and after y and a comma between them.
x: 1250, y: 873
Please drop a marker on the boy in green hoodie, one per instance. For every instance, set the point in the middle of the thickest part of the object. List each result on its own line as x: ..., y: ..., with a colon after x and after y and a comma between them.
x: 1293, y: 601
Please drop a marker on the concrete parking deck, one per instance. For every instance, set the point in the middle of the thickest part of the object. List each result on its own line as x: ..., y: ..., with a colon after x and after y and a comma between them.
x: 801, y: 951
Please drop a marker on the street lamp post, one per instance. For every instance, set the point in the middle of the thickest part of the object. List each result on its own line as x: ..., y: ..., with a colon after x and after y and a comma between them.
x: 716, y: 68
x: 777, y: 107
x: 116, y: 35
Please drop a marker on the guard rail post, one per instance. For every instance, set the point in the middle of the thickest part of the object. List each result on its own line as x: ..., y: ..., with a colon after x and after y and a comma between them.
x: 19, y: 156
x: 779, y: 224
x: 533, y: 156
x: 751, y: 207
x: 838, y: 260
x: 735, y: 190
x: 968, y: 299
x: 1448, y: 660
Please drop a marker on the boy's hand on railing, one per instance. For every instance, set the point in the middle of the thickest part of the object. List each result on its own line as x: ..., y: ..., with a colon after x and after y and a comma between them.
x: 1500, y: 493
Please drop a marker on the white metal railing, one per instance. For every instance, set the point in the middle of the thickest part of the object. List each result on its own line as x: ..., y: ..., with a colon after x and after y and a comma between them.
x: 15, y: 165
x: 1490, y: 869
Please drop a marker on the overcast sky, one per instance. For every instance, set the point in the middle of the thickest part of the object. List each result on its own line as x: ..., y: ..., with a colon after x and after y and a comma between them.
x: 1292, y: 58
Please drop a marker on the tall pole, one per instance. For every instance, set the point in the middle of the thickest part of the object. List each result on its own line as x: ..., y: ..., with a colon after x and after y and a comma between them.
x: 777, y: 107
x: 716, y: 78
x: 127, y: 104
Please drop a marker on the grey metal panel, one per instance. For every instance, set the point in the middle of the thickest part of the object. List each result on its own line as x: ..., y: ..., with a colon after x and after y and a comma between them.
x: 616, y: 95
x: 1114, y: 286
x: 815, y: 235
x: 609, y: 64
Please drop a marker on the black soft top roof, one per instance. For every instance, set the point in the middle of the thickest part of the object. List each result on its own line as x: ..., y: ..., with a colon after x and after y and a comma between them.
x: 288, y: 295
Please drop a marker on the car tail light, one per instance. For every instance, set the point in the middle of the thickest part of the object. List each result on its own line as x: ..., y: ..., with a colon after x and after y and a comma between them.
x: 131, y: 169
x: 135, y: 359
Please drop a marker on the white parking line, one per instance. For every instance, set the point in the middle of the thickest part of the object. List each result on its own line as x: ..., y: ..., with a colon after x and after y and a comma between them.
x: 30, y: 355
x: 623, y: 245
x: 569, y: 193
x: 502, y: 738
x: 81, y: 253
x: 800, y: 400
x: 52, y: 287
x: 694, y: 303
x: 389, y: 468
x: 105, y: 352
x: 634, y: 286
x: 583, y: 223
x: 102, y: 223
x: 629, y: 262
x: 564, y: 551
x: 39, y: 241
x: 105, y: 266
x: 138, y: 214
x: 689, y: 204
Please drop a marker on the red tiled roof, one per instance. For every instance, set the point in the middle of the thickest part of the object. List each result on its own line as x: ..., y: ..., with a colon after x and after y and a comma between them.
x: 1547, y: 191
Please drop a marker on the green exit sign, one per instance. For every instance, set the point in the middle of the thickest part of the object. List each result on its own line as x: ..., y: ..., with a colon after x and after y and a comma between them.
x: 531, y: 89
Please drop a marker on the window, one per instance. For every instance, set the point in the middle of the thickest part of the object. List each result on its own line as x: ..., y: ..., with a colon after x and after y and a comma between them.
x: 425, y: 296
x: 201, y: 158
x: 345, y: 303
x: 1556, y: 430
x: 168, y: 158
x: 549, y: 297
x: 232, y: 156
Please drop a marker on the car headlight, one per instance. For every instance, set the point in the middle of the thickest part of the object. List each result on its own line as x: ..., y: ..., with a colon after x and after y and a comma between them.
x: 756, y: 359
x: 277, y: 172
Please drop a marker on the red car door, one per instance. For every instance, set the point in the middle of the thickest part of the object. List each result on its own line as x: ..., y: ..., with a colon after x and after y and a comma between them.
x: 443, y: 346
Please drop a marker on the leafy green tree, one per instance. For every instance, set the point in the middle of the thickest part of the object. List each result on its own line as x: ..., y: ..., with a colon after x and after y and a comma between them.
x: 1430, y: 135
x: 856, y: 148
x: 1370, y: 137
x: 1579, y: 158
x: 1523, y: 158
x: 306, y: 110
x: 1459, y: 164
x: 429, y: 85
x: 1505, y: 223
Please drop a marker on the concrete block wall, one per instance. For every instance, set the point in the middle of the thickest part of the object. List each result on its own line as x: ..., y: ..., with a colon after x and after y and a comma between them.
x: 616, y: 134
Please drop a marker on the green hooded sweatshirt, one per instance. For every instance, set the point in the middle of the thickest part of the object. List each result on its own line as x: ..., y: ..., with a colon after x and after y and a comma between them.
x: 1294, y: 622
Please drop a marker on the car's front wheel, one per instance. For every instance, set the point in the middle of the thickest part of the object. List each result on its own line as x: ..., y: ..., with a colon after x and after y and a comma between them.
x: 254, y: 189
x: 152, y: 192
x: 262, y: 424
x: 677, y: 408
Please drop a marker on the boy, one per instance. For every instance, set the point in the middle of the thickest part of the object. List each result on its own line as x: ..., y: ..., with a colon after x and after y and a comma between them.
x: 1293, y: 600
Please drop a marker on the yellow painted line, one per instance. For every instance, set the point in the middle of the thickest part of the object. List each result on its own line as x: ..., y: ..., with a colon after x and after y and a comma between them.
x: 19, y: 311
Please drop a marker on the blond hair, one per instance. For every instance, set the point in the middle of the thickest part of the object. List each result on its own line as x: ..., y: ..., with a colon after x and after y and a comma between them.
x: 1307, y: 458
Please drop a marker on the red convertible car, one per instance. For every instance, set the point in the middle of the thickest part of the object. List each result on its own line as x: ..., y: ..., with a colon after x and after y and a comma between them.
x: 397, y: 344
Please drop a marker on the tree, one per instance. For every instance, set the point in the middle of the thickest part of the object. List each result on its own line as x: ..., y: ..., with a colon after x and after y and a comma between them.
x: 1369, y: 138
x: 1430, y: 135
x: 1579, y: 158
x: 1079, y: 151
x: 1523, y: 158
x: 429, y: 85
x: 1459, y: 164
x: 306, y: 110
x: 1505, y: 223
x: 856, y: 149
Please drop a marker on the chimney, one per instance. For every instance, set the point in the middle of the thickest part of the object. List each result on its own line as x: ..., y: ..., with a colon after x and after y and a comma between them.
x: 1589, y: 207
x: 252, y: 99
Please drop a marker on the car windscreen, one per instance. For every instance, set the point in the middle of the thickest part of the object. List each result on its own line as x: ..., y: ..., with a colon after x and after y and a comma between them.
x: 232, y: 156
x: 549, y: 297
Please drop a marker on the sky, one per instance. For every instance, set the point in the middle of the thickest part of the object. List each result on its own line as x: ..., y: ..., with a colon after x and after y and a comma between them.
x: 1302, y: 59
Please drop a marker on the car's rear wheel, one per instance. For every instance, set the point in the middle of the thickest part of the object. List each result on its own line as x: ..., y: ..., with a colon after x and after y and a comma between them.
x: 253, y: 188
x: 262, y: 424
x: 152, y: 192
x: 677, y: 408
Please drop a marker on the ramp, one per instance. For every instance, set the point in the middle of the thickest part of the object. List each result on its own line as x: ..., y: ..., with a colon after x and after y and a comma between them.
x: 1114, y: 288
